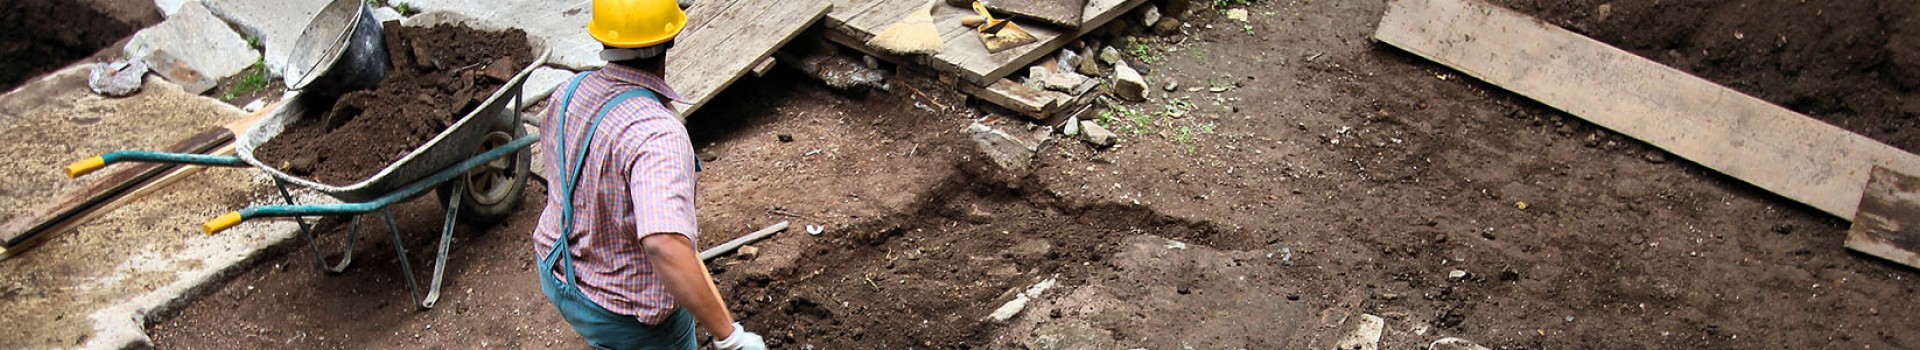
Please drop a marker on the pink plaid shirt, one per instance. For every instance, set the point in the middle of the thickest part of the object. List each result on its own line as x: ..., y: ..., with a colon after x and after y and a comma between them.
x: 638, y: 180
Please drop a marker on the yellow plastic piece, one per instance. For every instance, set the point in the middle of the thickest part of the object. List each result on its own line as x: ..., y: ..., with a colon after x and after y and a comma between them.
x: 85, y: 166
x: 629, y: 24
x: 222, y: 223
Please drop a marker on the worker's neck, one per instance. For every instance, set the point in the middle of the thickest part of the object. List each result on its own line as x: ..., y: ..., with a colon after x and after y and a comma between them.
x: 657, y: 67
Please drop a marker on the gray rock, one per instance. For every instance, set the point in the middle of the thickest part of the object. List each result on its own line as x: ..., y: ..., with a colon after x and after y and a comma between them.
x: 542, y: 82
x: 179, y: 72
x: 1098, y: 135
x: 168, y: 7
x: 1063, y: 81
x: 1109, y: 55
x: 1365, y: 335
x: 1089, y: 67
x: 277, y: 23
x: 1451, y: 343
x: 1128, y: 84
x: 383, y: 14
x: 1071, y: 128
x: 1149, y: 14
x: 1171, y: 85
x: 561, y: 24
x: 197, y: 38
x: 1012, y: 151
x: 116, y: 79
x: 1036, y: 76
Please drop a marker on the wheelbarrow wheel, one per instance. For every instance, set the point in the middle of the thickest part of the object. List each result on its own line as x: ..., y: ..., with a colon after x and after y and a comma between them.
x: 493, y: 190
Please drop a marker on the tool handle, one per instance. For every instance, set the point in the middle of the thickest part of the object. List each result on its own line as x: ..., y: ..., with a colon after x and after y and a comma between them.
x: 86, y: 166
x: 222, y: 223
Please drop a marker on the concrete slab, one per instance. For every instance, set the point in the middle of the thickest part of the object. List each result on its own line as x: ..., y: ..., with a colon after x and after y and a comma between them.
x: 93, y: 287
x: 168, y: 7
x: 276, y: 22
x: 543, y: 82
x: 97, y: 288
x: 195, y: 36
x: 562, y: 24
x: 50, y: 122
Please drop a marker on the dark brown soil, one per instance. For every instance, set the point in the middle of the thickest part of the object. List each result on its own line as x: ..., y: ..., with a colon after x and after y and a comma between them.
x: 441, y: 74
x: 1853, y: 63
x: 43, y: 35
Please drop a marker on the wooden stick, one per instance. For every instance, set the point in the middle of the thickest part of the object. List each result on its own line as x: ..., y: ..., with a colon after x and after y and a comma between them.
x: 728, y: 247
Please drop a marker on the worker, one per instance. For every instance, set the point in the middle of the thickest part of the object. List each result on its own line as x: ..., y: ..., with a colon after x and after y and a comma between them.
x: 616, y: 239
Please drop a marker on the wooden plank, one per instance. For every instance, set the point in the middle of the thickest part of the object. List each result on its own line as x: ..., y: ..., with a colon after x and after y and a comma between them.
x: 1063, y: 13
x: 1744, y: 137
x: 1020, y: 98
x: 1888, y: 225
x: 725, y: 39
x: 855, y: 21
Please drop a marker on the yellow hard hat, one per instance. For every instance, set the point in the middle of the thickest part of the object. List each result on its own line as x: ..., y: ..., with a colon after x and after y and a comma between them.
x: 631, y: 24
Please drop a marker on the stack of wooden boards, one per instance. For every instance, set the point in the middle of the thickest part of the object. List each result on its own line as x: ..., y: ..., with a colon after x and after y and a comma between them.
x: 1766, y: 145
x: 977, y: 72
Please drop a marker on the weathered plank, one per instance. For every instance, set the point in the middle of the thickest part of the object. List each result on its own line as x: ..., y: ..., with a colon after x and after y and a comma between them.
x: 1063, y: 13
x: 1888, y: 225
x: 1014, y: 96
x: 852, y: 22
x: 725, y: 39
x: 1744, y: 137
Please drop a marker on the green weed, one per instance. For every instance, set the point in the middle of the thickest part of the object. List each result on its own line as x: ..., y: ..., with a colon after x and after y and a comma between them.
x: 249, y: 84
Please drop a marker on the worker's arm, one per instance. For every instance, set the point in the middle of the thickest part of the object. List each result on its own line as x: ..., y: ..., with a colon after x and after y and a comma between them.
x: 679, y: 267
x: 662, y: 185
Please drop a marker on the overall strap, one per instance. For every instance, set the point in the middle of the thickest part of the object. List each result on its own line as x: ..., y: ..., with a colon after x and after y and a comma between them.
x: 560, y: 245
x: 571, y: 171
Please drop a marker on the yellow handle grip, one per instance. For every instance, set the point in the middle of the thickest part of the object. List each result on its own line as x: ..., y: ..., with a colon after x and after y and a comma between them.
x: 222, y: 223
x: 85, y: 166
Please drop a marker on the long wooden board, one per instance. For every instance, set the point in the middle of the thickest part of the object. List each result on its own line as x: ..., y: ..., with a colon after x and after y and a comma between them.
x: 853, y: 22
x: 1750, y: 139
x: 725, y: 39
x: 1888, y: 225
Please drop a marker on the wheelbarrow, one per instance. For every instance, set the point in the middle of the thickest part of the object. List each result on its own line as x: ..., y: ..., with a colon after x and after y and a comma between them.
x: 478, y: 167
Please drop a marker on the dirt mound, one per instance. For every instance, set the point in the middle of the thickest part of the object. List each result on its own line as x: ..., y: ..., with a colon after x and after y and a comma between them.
x: 441, y: 73
x: 42, y: 35
x: 1854, y: 63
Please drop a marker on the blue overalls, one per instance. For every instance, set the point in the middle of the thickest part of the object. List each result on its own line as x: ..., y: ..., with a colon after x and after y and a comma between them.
x: 601, y: 328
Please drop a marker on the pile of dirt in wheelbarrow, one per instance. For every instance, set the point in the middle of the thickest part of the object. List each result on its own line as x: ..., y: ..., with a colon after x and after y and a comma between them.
x: 439, y: 75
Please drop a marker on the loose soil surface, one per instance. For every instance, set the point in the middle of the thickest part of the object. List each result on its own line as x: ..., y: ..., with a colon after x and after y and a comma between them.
x: 441, y: 73
x: 1855, y: 64
x: 44, y: 35
x: 1330, y: 177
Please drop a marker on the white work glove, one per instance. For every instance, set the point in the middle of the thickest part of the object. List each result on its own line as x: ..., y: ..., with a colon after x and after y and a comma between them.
x: 740, y: 340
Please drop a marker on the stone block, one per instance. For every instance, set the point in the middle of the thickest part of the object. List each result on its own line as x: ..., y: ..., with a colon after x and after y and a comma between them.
x: 197, y: 38
x: 276, y: 23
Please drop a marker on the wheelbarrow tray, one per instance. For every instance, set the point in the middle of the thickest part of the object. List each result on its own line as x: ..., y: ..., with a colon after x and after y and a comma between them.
x: 458, y: 142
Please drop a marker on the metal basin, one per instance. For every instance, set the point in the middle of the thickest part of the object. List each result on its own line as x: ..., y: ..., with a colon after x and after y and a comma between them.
x: 342, y: 49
